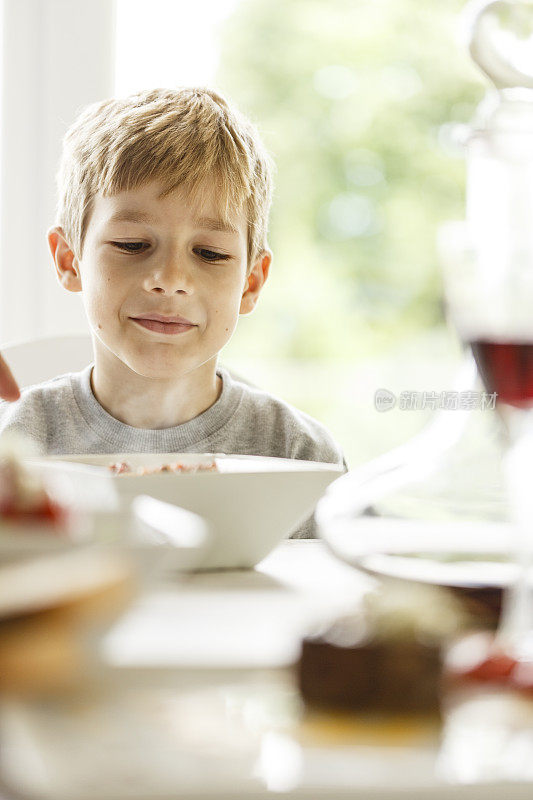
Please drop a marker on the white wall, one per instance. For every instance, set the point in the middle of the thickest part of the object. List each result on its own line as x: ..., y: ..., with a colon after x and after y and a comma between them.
x: 168, y: 42
x: 57, y: 56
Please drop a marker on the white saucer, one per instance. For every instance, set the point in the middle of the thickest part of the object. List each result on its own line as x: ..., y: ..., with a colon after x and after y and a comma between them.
x: 456, y: 554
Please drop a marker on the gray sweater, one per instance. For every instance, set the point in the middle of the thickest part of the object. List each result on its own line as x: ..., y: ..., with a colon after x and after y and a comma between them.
x: 63, y: 416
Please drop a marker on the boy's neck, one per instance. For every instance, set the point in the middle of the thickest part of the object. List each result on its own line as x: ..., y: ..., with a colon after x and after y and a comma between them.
x: 150, y: 403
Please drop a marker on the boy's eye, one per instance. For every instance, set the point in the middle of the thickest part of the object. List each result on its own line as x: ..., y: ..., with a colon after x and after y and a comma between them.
x: 211, y: 255
x: 139, y: 247
x: 130, y: 247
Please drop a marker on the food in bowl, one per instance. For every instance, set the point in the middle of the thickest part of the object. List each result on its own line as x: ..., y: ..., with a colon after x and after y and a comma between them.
x: 124, y: 468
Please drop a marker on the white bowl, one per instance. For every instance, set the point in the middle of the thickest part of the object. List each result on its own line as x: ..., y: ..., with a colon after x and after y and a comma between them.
x: 250, y: 504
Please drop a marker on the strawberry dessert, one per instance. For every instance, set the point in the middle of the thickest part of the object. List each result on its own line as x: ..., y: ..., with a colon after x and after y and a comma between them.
x: 25, y: 500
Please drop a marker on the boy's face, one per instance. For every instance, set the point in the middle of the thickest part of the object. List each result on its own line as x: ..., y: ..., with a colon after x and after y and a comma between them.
x: 145, y: 257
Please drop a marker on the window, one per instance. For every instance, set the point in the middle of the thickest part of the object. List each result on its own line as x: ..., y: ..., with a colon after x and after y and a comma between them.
x: 354, y: 99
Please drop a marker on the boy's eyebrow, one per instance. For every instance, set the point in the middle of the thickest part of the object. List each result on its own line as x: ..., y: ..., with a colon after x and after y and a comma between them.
x: 131, y: 216
x: 212, y: 224
x: 207, y: 223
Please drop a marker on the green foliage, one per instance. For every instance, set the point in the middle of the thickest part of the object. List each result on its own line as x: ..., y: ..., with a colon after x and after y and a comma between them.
x: 353, y: 99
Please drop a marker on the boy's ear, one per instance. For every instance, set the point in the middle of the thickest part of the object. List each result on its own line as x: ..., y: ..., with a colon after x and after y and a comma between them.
x: 255, y: 282
x: 65, y: 262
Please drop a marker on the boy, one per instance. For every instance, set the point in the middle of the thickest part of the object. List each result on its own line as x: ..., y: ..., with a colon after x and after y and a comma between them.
x: 163, y: 210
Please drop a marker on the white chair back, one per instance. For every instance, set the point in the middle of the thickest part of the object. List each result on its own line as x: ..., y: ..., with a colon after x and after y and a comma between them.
x: 39, y: 360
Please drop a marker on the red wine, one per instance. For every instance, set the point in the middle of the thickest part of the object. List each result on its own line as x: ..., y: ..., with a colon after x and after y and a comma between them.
x: 506, y: 368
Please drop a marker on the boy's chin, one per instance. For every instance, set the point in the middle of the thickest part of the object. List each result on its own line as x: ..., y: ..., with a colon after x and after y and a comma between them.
x: 167, y: 370
x: 156, y: 373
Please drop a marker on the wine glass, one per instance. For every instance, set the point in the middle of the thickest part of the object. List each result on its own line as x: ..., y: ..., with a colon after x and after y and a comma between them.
x: 489, y: 265
x: 488, y: 279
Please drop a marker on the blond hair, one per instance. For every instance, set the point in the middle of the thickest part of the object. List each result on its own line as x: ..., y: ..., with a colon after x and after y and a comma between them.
x: 190, y: 138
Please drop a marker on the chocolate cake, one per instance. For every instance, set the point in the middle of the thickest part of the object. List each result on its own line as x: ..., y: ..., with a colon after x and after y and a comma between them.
x: 385, y: 658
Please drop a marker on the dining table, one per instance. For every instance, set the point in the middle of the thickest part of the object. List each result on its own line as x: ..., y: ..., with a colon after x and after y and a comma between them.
x: 197, y: 696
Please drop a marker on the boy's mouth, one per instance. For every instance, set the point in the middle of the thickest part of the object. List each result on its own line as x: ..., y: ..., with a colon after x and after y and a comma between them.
x: 161, y: 324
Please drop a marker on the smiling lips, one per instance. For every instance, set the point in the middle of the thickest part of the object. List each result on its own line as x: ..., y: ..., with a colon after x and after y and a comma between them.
x: 160, y: 324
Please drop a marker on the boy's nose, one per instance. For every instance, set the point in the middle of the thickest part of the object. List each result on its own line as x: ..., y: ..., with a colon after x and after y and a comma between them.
x: 170, y: 277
